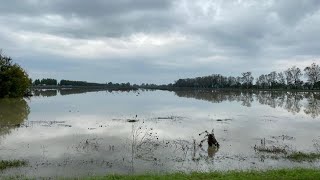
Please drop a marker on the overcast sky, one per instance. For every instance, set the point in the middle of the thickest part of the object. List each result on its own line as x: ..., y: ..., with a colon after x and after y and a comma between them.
x: 158, y: 41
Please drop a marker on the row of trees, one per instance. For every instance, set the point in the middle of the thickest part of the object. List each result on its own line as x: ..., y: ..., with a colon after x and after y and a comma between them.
x: 78, y: 83
x: 14, y: 81
x: 289, y: 79
x: 47, y: 81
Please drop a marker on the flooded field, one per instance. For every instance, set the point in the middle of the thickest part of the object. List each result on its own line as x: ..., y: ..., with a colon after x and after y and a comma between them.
x: 77, y: 133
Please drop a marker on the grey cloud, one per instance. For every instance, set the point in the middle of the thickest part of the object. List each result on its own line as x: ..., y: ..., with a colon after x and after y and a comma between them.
x: 95, y: 18
x: 291, y: 12
x: 82, y: 8
x: 245, y: 35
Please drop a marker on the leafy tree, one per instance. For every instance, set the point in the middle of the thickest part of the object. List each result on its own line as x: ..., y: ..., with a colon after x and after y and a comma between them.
x: 49, y: 81
x: 36, y: 82
x: 14, y: 81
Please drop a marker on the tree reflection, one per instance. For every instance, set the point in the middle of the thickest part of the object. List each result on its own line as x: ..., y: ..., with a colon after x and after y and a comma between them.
x: 71, y: 91
x: 313, y: 105
x: 46, y: 93
x: 12, y: 114
x: 293, y: 102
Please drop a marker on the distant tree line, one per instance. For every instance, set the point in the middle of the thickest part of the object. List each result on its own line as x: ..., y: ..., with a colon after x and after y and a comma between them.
x: 47, y: 81
x: 78, y: 83
x: 289, y: 79
x: 63, y: 82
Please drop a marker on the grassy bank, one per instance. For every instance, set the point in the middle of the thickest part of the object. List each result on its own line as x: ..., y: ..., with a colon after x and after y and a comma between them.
x: 250, y: 174
x: 269, y: 174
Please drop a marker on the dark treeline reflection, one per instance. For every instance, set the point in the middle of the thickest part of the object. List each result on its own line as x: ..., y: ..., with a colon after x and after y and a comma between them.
x: 45, y: 93
x: 294, y: 102
x: 13, y: 112
x: 63, y: 92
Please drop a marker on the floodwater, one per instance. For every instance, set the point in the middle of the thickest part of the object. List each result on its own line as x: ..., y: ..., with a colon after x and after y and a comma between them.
x: 72, y: 133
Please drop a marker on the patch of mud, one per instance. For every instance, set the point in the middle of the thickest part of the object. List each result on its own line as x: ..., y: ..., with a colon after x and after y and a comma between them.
x: 173, y: 118
x: 127, y: 120
x: 132, y: 120
x: 283, y: 137
x: 223, y: 120
x: 170, y: 117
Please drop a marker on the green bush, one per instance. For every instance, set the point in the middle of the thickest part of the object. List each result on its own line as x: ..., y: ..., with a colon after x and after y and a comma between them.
x: 14, y: 81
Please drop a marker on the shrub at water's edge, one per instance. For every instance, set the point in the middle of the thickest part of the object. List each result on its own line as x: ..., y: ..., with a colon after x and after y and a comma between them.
x: 14, y: 81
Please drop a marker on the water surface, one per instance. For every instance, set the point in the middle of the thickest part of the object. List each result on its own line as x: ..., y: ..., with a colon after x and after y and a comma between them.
x: 73, y: 133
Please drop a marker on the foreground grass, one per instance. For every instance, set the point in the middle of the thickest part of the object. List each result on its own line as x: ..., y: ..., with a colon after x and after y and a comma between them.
x: 4, y: 164
x: 301, y: 156
x: 269, y: 174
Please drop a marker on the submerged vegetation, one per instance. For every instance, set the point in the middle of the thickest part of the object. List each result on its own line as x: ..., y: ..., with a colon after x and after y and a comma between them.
x: 5, y: 164
x: 271, y: 149
x: 283, y: 151
x: 302, y: 156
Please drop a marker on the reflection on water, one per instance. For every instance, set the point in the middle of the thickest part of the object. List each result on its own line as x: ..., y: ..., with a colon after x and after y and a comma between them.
x: 73, y: 133
x: 13, y: 112
x: 70, y: 91
x: 45, y: 93
x: 291, y: 101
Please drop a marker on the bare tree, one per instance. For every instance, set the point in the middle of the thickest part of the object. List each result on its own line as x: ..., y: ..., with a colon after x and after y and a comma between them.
x: 262, y: 81
x: 312, y: 73
x: 247, y: 79
x: 272, y: 78
x: 289, y: 77
x: 293, y: 76
x: 281, y: 79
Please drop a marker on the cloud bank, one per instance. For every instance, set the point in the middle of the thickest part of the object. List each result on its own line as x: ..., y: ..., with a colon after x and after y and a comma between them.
x: 158, y: 41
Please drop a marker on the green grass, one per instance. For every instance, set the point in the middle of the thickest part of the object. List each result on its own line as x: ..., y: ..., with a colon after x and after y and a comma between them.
x: 301, y: 156
x: 4, y: 164
x: 269, y: 174
x: 250, y: 174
